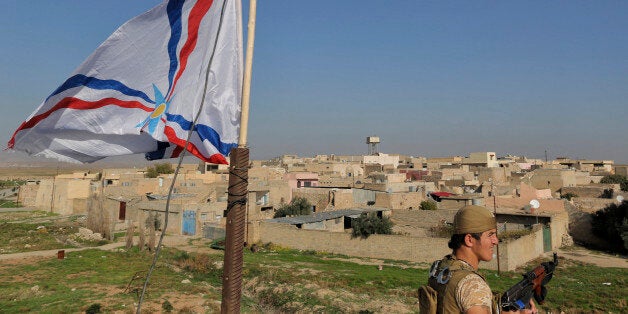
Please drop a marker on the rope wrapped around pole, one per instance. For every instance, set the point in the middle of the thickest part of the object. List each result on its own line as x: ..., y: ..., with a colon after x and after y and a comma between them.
x: 236, y: 224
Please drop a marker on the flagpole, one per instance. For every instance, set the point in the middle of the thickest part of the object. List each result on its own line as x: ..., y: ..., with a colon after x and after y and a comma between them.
x: 248, y: 69
x: 238, y: 189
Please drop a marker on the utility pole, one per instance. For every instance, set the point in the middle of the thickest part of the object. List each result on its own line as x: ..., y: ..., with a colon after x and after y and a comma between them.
x: 495, y: 214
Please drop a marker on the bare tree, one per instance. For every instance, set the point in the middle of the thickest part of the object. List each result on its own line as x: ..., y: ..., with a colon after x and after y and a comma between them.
x: 151, y: 237
x: 130, y: 229
x: 142, y: 239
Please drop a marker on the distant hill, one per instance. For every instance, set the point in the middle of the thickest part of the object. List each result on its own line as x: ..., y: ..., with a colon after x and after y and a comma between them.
x: 19, y: 160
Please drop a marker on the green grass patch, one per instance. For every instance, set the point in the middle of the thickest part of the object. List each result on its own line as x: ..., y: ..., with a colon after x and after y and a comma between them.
x: 21, y: 237
x: 9, y: 204
x: 13, y: 216
x: 280, y: 280
x: 84, y: 278
x: 11, y: 183
x: 575, y: 287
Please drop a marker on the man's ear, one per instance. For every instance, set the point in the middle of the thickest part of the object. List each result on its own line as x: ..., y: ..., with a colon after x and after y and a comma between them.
x: 468, y: 240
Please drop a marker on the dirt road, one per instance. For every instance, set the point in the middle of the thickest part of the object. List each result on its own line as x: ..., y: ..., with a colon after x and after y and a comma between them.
x: 593, y: 257
x: 180, y: 242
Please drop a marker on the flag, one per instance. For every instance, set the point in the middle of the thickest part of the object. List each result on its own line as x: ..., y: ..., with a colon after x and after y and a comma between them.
x: 140, y: 90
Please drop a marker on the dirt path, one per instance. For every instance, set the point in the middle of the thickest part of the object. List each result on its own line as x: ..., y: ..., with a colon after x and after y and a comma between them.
x: 179, y: 242
x: 596, y: 258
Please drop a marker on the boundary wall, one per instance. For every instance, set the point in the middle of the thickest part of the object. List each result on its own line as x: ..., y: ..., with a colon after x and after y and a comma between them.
x: 512, y: 254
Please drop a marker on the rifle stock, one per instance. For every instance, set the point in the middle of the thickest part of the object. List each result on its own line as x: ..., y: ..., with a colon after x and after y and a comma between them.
x: 532, y: 285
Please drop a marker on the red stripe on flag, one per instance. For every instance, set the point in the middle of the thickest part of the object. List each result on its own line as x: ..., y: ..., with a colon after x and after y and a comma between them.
x: 78, y: 104
x: 194, y: 21
x: 176, y: 152
x: 172, y: 138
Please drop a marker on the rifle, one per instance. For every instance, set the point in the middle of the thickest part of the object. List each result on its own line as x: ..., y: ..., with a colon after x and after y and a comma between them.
x: 532, y: 284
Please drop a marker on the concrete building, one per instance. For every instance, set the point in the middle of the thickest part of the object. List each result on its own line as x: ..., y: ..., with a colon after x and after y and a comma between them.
x: 482, y: 159
x: 587, y: 165
x: 553, y: 179
x: 382, y: 159
x: 621, y: 170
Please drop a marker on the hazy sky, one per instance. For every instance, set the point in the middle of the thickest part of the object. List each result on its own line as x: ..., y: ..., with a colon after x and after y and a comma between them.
x: 430, y: 78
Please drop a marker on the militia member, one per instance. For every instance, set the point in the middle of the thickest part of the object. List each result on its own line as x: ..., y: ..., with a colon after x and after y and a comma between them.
x: 459, y: 286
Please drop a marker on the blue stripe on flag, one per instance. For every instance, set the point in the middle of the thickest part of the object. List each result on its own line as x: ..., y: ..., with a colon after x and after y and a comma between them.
x: 204, y: 132
x: 95, y: 83
x: 174, y: 9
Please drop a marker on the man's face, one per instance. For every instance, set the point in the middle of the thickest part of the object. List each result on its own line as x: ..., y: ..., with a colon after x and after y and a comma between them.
x: 483, y: 247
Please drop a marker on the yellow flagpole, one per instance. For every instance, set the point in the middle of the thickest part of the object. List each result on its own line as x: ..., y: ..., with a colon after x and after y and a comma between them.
x: 248, y: 66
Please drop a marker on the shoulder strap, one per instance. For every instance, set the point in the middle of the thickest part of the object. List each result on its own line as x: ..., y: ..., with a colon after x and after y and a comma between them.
x: 444, y: 278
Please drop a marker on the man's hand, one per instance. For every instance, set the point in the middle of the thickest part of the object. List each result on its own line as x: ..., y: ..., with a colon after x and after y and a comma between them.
x: 531, y: 310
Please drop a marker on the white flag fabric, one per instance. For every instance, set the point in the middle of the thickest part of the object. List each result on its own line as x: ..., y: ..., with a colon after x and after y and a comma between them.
x: 140, y: 91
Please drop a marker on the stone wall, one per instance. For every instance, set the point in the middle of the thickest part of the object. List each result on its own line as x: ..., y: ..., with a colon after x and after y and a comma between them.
x: 28, y: 195
x: 590, y: 191
x: 409, y: 200
x: 512, y: 254
x: 396, y: 247
x: 517, y: 252
x: 548, y: 205
x: 591, y: 205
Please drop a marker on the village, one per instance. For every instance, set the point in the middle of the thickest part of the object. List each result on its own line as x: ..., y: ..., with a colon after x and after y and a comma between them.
x: 551, y: 199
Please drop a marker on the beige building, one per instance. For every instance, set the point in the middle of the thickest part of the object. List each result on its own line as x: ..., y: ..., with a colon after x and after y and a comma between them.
x: 553, y: 179
x: 382, y: 159
x: 483, y: 159
x: 64, y: 195
x: 621, y: 170
x: 435, y: 163
x: 587, y: 165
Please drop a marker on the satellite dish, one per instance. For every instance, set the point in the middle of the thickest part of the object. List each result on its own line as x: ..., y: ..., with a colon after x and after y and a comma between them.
x: 620, y: 198
x: 535, y: 204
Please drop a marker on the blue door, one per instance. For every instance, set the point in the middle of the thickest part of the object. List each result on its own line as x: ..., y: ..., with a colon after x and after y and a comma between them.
x: 189, y: 222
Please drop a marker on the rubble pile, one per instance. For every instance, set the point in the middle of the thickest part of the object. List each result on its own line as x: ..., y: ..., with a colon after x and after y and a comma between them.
x: 86, y: 234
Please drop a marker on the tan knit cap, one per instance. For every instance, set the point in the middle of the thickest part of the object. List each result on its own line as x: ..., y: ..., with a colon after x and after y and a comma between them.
x: 473, y: 219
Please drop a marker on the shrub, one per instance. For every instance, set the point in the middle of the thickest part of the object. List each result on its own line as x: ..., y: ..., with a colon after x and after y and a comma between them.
x: 367, y: 224
x: 616, y: 179
x: 203, y: 266
x: 514, y: 234
x: 94, y: 308
x: 442, y: 230
x: 428, y: 205
x: 569, y: 196
x: 156, y: 170
x: 611, y: 224
x: 297, y: 207
x: 167, y: 306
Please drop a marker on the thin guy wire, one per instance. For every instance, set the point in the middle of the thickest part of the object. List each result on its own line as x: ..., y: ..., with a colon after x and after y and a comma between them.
x: 176, y: 172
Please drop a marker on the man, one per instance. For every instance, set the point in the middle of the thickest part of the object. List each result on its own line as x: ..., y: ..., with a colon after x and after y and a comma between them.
x: 460, y: 288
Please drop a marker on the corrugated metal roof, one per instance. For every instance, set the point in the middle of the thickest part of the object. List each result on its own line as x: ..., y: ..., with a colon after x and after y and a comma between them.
x: 322, y: 216
x: 163, y: 197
